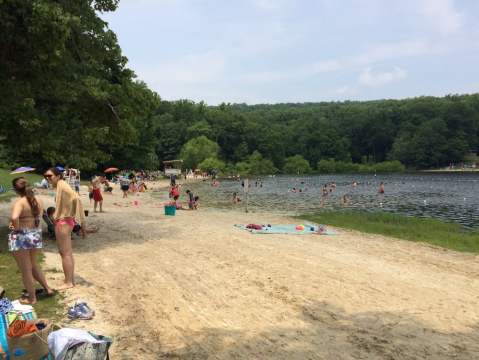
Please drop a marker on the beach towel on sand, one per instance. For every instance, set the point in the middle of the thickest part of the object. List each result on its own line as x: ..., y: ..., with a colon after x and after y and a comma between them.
x: 295, y: 229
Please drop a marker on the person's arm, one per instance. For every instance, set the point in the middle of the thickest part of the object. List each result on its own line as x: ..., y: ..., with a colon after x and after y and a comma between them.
x: 58, y: 201
x: 40, y: 207
x: 15, y: 216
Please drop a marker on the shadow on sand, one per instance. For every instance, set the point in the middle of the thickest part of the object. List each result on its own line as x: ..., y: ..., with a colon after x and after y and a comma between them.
x: 327, y: 332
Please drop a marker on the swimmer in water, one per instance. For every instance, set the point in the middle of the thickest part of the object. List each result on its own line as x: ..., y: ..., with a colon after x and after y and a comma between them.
x: 236, y: 198
x: 325, y: 191
x: 381, y: 188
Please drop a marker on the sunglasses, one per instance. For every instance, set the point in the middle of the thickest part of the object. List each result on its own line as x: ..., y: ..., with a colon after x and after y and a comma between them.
x: 48, y: 176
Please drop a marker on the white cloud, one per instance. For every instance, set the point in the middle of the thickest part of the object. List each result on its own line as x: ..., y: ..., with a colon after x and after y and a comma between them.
x: 301, y: 72
x: 325, y: 66
x: 343, y: 90
x: 368, y: 77
x: 198, y: 68
x: 393, y: 51
x: 441, y: 15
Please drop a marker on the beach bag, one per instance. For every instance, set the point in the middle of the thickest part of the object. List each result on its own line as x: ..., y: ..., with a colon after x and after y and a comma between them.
x: 90, y: 351
x: 30, y: 346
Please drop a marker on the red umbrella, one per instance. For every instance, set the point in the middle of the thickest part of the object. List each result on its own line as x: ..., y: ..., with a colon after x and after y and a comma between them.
x: 111, y: 170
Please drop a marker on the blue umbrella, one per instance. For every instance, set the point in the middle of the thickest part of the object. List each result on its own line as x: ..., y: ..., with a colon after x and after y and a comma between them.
x: 21, y: 170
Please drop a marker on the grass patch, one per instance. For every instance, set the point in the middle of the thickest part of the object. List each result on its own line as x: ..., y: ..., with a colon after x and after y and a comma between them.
x: 448, y: 235
x: 11, y: 281
x: 6, y: 182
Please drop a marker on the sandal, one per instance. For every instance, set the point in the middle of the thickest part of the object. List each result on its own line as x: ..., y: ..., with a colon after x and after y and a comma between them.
x: 40, y: 293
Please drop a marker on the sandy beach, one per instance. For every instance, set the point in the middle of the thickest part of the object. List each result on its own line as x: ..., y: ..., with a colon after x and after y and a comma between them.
x: 195, y: 287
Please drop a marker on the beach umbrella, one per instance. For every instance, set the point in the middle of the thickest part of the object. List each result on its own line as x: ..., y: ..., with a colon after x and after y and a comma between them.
x: 22, y: 170
x: 111, y: 170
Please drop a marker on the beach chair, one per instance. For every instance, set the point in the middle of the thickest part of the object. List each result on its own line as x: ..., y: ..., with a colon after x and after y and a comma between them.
x: 50, y: 225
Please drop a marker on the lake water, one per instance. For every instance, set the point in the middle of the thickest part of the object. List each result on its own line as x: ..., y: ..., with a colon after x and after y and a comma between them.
x: 450, y: 197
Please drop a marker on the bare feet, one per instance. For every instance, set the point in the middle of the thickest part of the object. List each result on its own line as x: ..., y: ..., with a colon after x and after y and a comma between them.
x: 65, y: 286
x: 49, y: 292
x: 27, y: 301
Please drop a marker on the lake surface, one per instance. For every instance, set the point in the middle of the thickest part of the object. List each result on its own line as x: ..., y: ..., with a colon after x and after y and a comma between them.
x: 450, y: 197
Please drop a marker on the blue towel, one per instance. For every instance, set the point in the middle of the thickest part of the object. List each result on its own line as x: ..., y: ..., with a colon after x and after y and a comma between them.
x: 3, y: 332
x: 288, y: 229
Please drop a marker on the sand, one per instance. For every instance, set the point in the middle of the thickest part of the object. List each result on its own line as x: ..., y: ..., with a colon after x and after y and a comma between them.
x: 195, y: 287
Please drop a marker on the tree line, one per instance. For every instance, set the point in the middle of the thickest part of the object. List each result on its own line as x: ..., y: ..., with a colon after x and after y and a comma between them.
x: 68, y: 97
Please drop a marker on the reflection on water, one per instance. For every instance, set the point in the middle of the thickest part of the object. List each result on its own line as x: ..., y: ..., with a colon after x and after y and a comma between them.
x: 451, y: 197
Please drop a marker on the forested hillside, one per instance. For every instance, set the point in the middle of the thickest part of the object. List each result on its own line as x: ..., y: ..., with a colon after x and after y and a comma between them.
x: 68, y: 97
x: 421, y: 133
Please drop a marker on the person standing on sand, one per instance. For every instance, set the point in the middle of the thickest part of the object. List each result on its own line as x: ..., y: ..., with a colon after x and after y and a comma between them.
x: 97, y: 197
x: 125, y: 186
x: 68, y: 207
x: 25, y: 239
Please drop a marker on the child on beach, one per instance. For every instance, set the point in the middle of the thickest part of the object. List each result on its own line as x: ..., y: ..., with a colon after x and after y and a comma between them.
x: 191, y: 199
x: 196, y: 203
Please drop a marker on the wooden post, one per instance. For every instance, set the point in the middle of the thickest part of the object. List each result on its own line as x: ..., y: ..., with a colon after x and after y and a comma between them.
x: 246, y: 191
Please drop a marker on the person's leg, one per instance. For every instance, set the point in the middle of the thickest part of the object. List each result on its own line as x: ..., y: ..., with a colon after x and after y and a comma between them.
x: 64, y: 240
x: 101, y: 206
x: 22, y: 257
x: 95, y: 205
x: 37, y: 272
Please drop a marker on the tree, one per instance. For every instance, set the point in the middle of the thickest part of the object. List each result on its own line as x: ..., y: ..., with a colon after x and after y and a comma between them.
x: 212, y: 164
x: 296, y: 165
x: 198, y: 149
x: 201, y: 128
x: 66, y: 95
x: 257, y: 165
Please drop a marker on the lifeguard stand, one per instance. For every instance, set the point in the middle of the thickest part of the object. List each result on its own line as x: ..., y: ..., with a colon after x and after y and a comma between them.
x: 172, y: 168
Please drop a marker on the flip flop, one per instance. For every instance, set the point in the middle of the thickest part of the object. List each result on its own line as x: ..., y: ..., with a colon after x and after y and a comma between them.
x: 40, y: 294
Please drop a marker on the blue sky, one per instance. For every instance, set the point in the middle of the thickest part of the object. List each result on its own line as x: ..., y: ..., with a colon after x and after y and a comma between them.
x: 270, y: 51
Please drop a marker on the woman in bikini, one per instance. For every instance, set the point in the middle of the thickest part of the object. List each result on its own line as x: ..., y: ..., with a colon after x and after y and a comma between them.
x: 68, y: 208
x: 25, y: 239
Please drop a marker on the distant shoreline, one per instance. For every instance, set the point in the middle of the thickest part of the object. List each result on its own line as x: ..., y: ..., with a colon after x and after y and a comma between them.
x: 451, y: 170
